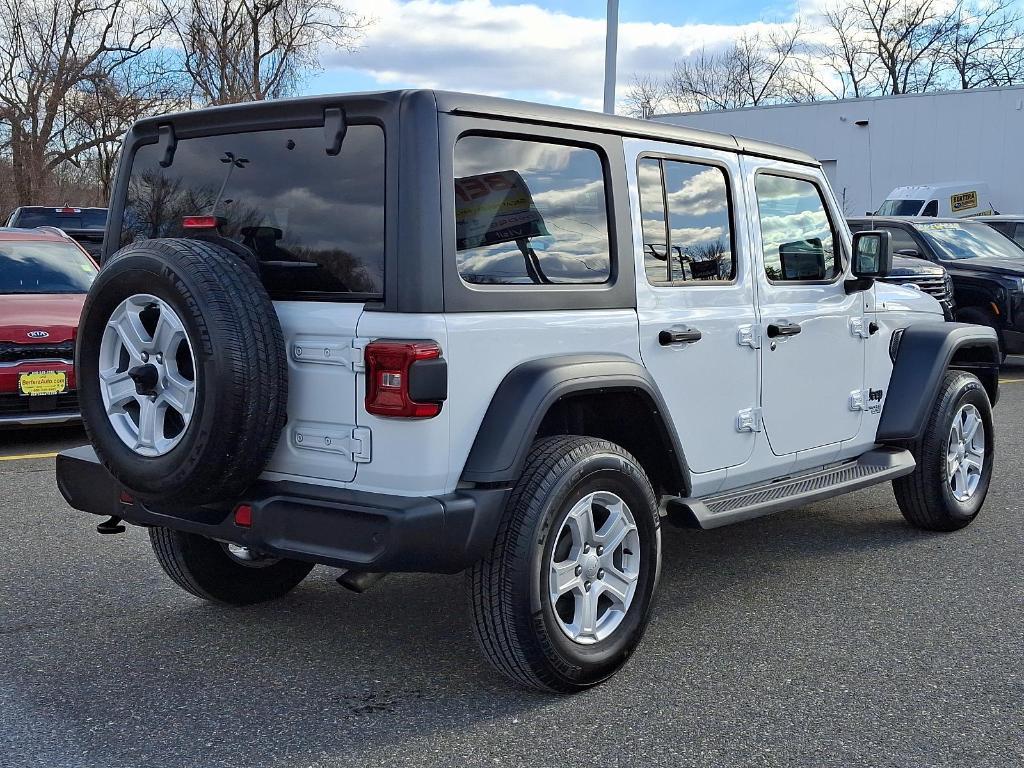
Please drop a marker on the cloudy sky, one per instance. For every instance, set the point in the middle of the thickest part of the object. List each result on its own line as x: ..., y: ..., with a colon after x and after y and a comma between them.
x: 546, y: 50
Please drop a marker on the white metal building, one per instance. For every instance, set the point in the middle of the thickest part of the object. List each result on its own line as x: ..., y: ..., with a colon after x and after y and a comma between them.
x: 870, y: 146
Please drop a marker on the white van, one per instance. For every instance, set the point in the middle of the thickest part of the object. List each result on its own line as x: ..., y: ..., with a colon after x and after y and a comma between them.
x: 959, y: 199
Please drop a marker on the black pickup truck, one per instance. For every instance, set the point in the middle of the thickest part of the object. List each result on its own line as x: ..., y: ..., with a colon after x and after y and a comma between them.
x: 987, y: 268
x: 84, y: 225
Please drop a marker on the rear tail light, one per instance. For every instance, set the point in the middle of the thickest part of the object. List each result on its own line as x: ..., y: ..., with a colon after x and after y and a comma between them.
x: 243, y: 516
x: 405, y: 379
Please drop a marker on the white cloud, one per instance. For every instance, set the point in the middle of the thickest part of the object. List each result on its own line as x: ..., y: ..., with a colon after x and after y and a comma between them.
x: 514, y: 50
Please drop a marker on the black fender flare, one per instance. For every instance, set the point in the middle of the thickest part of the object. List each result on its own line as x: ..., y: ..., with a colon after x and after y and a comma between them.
x: 528, y: 391
x: 926, y: 350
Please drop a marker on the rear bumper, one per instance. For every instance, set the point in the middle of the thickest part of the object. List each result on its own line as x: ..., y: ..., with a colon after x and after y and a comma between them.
x: 40, y: 419
x: 333, y: 526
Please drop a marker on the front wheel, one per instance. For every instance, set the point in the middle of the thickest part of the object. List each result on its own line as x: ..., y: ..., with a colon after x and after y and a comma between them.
x: 564, y: 595
x: 224, y: 573
x: 955, y: 457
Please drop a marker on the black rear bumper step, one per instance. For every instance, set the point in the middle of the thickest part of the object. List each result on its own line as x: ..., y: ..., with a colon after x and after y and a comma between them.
x: 333, y: 526
x: 873, y: 467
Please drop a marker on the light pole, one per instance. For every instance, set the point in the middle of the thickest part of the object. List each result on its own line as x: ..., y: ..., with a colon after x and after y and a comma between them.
x: 611, y: 40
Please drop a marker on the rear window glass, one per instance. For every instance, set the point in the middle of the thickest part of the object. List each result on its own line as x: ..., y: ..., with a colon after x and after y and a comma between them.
x: 530, y: 213
x: 56, y: 217
x: 315, y: 221
x: 35, y: 267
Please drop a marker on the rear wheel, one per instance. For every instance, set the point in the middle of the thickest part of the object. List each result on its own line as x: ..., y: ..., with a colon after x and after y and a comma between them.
x: 565, y: 593
x: 955, y: 457
x: 224, y: 573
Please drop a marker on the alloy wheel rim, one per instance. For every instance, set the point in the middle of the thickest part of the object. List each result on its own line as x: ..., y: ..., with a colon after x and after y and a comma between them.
x: 147, y: 375
x: 594, y: 567
x: 965, y: 453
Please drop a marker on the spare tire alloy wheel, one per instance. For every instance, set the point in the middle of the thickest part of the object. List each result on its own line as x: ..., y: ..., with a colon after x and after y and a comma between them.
x: 182, y: 372
x: 147, y: 375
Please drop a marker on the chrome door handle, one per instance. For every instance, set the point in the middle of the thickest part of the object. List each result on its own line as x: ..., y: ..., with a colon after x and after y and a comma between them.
x: 680, y: 334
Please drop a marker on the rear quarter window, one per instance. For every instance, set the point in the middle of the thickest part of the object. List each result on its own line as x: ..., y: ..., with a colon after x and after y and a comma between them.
x: 315, y: 221
x: 530, y: 213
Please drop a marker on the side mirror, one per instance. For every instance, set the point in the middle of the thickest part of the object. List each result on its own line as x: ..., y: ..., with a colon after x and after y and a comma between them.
x: 871, y: 254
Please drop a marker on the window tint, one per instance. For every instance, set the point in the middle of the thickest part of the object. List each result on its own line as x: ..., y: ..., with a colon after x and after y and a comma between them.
x: 529, y: 213
x: 315, y: 221
x: 796, y: 233
x: 695, y: 243
x: 72, y: 218
x: 1018, y: 238
x: 932, y: 209
x: 35, y: 267
x: 900, y: 208
x: 900, y: 240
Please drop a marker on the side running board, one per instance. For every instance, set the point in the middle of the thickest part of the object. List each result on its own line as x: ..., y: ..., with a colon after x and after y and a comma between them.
x: 721, y: 509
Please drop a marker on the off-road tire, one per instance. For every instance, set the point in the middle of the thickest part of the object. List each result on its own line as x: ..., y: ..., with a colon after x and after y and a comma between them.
x: 241, y: 370
x: 203, y: 567
x: 512, y: 616
x: 924, y: 496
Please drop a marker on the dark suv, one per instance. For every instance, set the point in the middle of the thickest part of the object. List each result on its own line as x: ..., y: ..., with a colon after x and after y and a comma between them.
x: 925, y: 276
x: 85, y: 225
x: 987, y: 268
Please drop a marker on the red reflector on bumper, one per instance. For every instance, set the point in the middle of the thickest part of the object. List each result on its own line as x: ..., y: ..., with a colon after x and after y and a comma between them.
x: 243, y: 516
x: 126, y: 498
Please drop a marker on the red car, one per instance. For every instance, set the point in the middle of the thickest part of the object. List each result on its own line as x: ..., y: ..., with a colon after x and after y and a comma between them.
x: 44, y: 276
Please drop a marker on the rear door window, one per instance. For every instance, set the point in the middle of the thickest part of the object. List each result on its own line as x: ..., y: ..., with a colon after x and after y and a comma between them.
x: 694, y: 243
x: 530, y: 213
x: 315, y: 221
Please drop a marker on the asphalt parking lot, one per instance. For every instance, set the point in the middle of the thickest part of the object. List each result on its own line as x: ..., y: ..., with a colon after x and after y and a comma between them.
x: 830, y: 636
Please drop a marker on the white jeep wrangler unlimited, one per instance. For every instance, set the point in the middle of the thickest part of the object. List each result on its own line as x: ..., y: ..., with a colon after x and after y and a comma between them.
x: 425, y: 331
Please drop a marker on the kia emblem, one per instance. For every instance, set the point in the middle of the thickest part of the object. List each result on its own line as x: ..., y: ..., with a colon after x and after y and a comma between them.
x: 37, y: 334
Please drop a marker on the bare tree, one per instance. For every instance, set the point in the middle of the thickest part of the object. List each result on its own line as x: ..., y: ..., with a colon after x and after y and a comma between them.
x: 645, y: 96
x: 107, y: 103
x: 849, y: 53
x: 247, y: 50
x: 48, y: 49
x: 985, y: 43
x: 757, y: 69
x: 909, y: 36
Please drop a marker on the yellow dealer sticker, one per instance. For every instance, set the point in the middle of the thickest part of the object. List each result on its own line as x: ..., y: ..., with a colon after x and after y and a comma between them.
x: 963, y: 201
x: 43, y: 383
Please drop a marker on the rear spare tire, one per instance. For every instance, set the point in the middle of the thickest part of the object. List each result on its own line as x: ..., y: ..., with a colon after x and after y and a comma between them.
x: 182, y: 372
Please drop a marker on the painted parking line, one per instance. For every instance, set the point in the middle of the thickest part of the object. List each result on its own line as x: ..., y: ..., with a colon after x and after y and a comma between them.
x: 1011, y: 381
x: 27, y: 456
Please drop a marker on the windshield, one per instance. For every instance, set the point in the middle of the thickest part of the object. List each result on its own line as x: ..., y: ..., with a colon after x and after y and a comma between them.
x: 315, y: 221
x: 954, y: 240
x: 40, y: 267
x: 70, y: 218
x: 900, y: 208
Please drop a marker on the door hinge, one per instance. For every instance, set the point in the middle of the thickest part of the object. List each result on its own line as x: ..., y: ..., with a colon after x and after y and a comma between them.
x: 748, y: 420
x: 859, y: 327
x: 353, y: 442
x: 749, y: 336
x: 310, y: 349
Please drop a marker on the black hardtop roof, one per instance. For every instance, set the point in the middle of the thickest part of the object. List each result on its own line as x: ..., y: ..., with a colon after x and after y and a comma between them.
x: 193, y: 121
